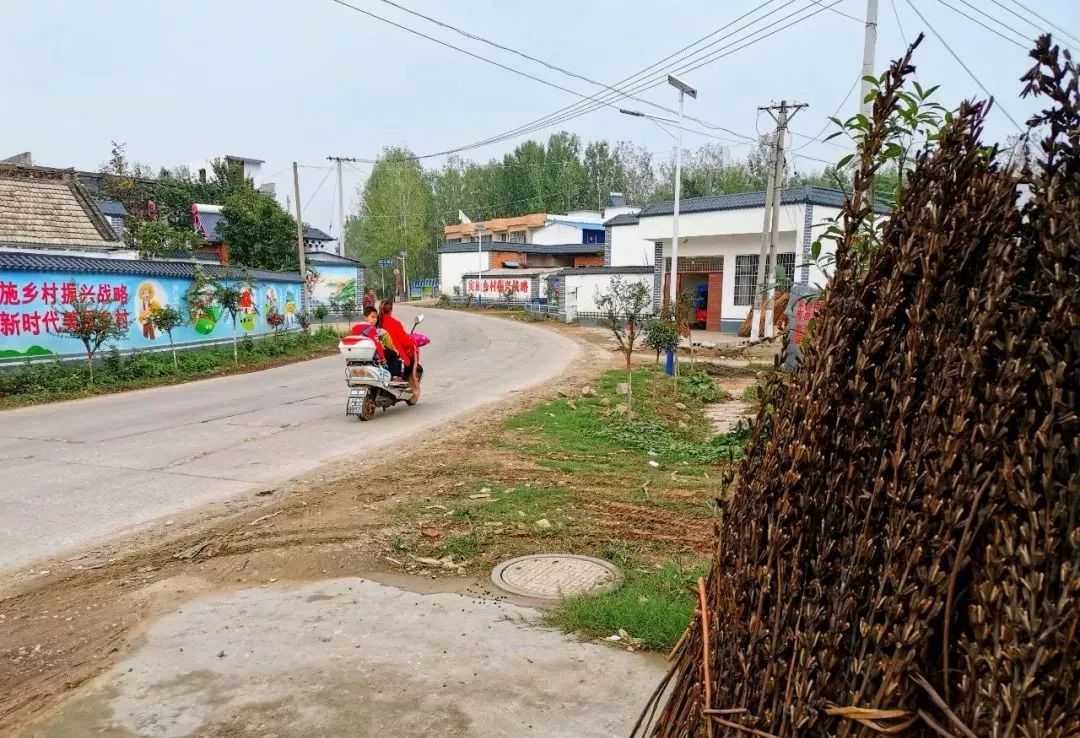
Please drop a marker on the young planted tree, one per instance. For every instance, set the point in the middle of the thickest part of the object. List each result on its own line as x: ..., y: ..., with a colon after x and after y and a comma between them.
x: 662, y: 332
x: 167, y: 319
x: 227, y: 296
x: 624, y: 307
x: 509, y: 294
x: 93, y: 323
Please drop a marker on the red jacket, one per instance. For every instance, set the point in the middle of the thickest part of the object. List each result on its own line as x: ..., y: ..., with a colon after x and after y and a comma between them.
x: 401, y: 339
x: 370, y: 332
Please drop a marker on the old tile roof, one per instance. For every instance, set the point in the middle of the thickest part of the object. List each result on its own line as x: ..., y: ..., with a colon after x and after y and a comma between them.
x: 621, y: 220
x: 33, y: 262
x: 111, y: 207
x: 788, y: 196
x: 311, y: 233
x: 47, y: 207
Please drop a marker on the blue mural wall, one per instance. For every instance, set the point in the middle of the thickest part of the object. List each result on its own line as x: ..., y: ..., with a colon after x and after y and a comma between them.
x: 33, y: 309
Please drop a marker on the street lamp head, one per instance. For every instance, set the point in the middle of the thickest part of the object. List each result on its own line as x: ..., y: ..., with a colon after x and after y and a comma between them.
x: 681, y: 86
x: 635, y: 113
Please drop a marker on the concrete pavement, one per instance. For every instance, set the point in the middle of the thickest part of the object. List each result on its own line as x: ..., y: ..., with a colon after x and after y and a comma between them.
x: 350, y: 657
x: 76, y: 472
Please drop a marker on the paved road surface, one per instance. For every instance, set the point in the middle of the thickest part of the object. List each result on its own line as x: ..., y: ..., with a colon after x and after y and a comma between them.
x: 79, y: 471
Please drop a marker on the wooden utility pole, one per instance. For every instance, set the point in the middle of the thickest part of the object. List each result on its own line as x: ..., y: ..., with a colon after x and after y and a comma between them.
x: 300, y: 238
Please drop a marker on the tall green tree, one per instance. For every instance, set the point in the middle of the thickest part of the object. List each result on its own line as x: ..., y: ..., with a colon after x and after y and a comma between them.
x: 260, y: 234
x: 397, y: 214
x: 604, y: 173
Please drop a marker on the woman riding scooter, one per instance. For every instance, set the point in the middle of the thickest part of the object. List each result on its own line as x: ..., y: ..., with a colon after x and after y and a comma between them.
x: 403, y: 344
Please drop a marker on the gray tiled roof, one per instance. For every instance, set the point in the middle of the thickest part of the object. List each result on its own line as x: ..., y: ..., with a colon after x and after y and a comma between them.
x: 316, y: 234
x: 111, y: 207
x: 790, y: 196
x: 321, y: 257
x: 607, y: 270
x: 10, y: 260
x: 622, y: 219
x: 47, y: 207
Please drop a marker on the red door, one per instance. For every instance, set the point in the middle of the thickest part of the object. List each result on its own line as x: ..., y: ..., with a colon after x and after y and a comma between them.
x: 712, y: 307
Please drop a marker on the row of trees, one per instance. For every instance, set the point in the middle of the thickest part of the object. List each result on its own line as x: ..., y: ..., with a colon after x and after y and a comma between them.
x: 404, y: 207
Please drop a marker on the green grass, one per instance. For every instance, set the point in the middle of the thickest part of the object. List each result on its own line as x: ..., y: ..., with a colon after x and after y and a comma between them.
x: 28, y: 384
x: 520, y: 504
x: 653, y: 606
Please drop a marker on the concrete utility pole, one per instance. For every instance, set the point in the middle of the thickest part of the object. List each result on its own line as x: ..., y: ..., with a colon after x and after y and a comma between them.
x: 300, y: 237
x: 341, y: 201
x: 766, y: 277
x: 869, y: 46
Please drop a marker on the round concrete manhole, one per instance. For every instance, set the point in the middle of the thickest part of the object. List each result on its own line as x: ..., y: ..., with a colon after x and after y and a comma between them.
x: 554, y: 576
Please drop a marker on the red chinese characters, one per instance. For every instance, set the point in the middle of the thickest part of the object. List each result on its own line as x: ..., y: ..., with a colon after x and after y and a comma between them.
x: 9, y: 294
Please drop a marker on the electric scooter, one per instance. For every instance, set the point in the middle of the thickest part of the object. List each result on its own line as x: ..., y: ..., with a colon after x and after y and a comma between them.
x: 370, y: 384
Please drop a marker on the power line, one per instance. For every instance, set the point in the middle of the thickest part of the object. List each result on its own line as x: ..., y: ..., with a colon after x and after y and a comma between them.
x: 317, y: 189
x: 720, y: 53
x: 860, y: 21
x: 962, y: 64
x: 835, y: 113
x: 988, y: 28
x: 1048, y: 22
x: 582, y: 106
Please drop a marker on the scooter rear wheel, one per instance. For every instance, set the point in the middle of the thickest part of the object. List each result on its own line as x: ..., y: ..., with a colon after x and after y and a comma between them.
x: 367, y: 407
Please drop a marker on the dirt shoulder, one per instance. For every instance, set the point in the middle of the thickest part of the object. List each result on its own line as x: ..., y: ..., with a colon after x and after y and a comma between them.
x: 68, y: 620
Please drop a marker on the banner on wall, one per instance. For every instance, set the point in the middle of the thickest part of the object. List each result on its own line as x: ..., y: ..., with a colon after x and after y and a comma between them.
x: 34, y: 308
x: 499, y: 287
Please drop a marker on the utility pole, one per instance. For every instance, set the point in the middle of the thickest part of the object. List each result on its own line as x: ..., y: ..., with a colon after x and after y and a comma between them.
x: 300, y: 238
x: 869, y: 46
x: 341, y: 201
x: 766, y: 277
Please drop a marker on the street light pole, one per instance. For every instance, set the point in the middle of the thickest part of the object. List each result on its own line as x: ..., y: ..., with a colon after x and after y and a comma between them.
x: 673, y: 278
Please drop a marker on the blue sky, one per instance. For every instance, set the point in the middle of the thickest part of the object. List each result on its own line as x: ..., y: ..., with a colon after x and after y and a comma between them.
x: 301, y: 80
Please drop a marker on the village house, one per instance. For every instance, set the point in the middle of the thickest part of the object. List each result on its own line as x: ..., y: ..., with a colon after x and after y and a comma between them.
x: 720, y: 245
x: 48, y: 210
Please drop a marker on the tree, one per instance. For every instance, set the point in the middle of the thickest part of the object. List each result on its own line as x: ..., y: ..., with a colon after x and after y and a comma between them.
x: 396, y: 214
x: 227, y: 296
x: 93, y: 323
x: 604, y: 173
x: 260, y: 234
x: 624, y: 306
x: 167, y: 319
x: 160, y: 238
x: 661, y: 332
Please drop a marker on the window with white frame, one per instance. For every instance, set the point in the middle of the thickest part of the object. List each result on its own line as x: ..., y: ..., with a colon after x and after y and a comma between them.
x: 516, y: 237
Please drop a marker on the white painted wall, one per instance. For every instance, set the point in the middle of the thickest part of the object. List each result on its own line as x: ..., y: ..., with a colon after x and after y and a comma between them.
x: 590, y: 286
x: 730, y: 247
x: 723, y: 222
x: 452, y: 266
x: 628, y: 248
x: 585, y: 216
x: 554, y: 234
x: 611, y: 211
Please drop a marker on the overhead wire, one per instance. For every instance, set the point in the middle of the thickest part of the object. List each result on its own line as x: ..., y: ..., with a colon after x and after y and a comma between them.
x: 997, y: 33
x: 603, y: 98
x: 724, y: 51
x: 836, y: 112
x: 962, y: 64
x: 1047, y: 21
x: 316, y: 192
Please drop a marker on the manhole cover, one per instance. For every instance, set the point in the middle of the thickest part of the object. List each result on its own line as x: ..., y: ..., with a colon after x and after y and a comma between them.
x: 554, y: 576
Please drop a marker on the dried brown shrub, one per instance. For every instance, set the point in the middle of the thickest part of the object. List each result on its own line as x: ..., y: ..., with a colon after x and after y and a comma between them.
x: 902, y: 551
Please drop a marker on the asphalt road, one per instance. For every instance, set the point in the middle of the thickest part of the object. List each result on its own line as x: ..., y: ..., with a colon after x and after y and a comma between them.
x: 76, y: 472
